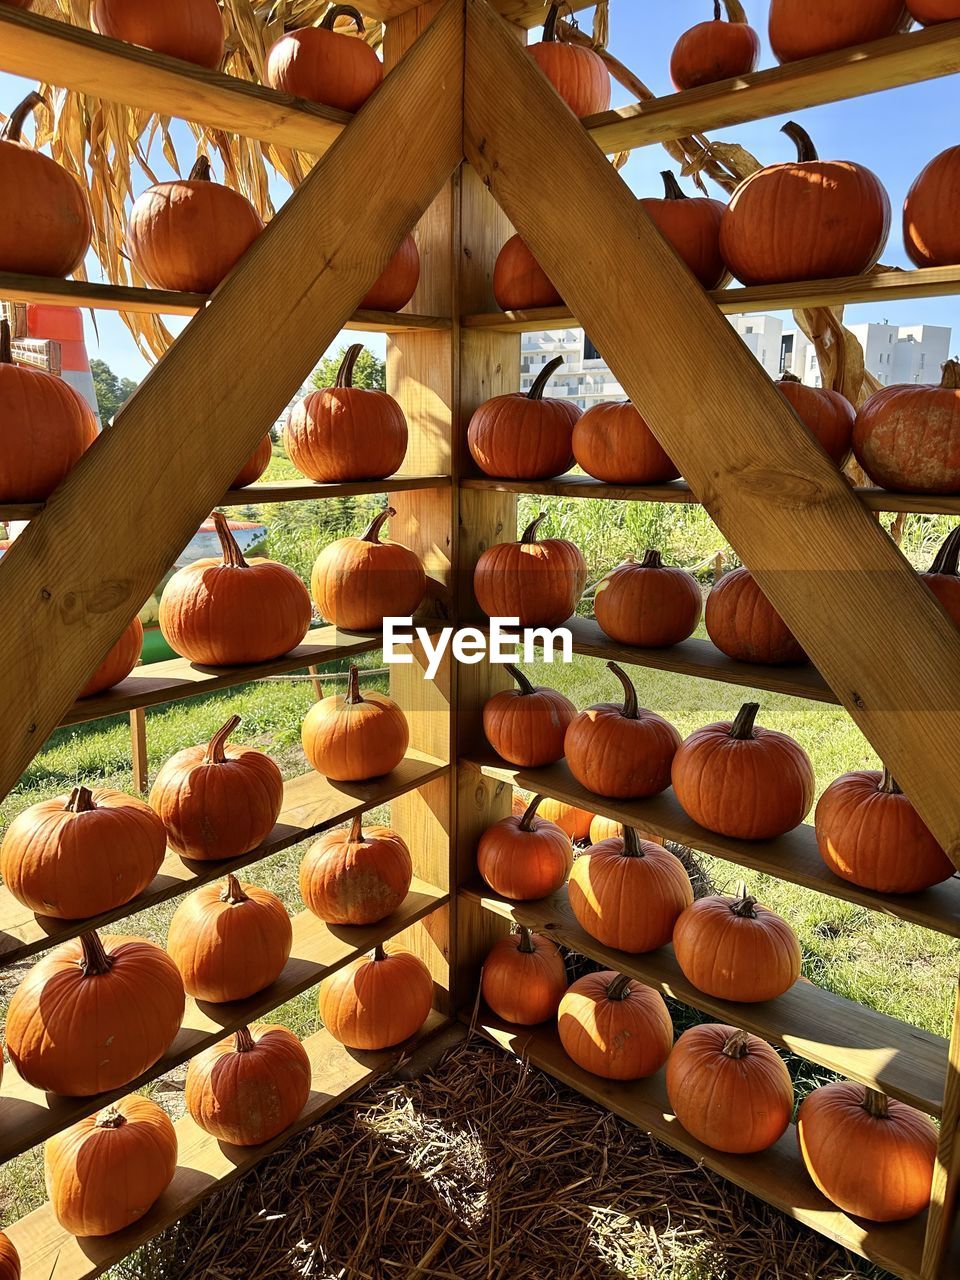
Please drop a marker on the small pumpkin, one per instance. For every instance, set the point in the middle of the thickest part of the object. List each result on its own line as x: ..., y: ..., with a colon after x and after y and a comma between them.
x: 357, y: 582
x: 105, y: 1172
x: 82, y: 854
x: 613, y: 443
x: 575, y: 822
x: 692, y: 227
x: 578, y: 74
x: 615, y: 1027
x: 345, y: 432
x: 324, y: 65
x: 119, y: 662
x: 930, y: 238
x: 218, y: 801
x: 518, y: 802
x: 525, y: 858
x: 729, y: 1089
x: 524, y: 978
x: 537, y: 582
x: 827, y: 415
x: 524, y: 436
x: 930, y: 12
x: 602, y: 828
x: 519, y: 282
x: 377, y: 1001
x: 809, y: 219
x: 733, y: 948
x: 248, y: 1088
x: 526, y: 726
x: 256, y: 464
x: 872, y: 1156
x: 943, y: 576
x: 9, y: 1258
x: 744, y: 625
x: 628, y: 893
x: 712, y: 51
x: 187, y: 29
x: 351, y: 737
x: 398, y: 281
x: 621, y: 750
x: 647, y: 603
x: 352, y: 877
x: 805, y: 28
x: 908, y: 438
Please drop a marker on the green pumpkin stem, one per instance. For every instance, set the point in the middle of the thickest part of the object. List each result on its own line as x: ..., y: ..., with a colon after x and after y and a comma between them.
x: 353, y: 696
x: 671, y: 187
x: 631, y: 706
x: 888, y: 784
x: 525, y: 686
x: 345, y: 372
x: 375, y: 527
x: 201, y: 171
x: 6, y: 343
x: 652, y: 559
x: 243, y: 1041
x: 95, y: 959
x: 356, y: 835
x: 806, y: 151
x: 530, y: 813
x: 341, y: 11
x: 632, y: 846
x: 18, y: 116
x: 80, y: 801
x: 550, y: 24
x: 233, y: 892
x: 526, y: 941
x: 619, y: 988
x: 876, y: 1104
x: 742, y: 728
x: 946, y: 559
x: 232, y: 555
x: 543, y: 377
x: 110, y: 1118
x: 529, y: 534
x: 737, y: 1045
x: 215, y: 753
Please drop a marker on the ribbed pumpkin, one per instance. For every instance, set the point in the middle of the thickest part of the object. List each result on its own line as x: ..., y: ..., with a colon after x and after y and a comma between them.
x: 615, y: 1027
x: 349, y: 876
x: 523, y: 436
x: 692, y: 226
x: 578, y: 74
x: 345, y: 432
x: 47, y: 426
x: 357, y: 582
x: 324, y: 65
x: 744, y: 625
x: 538, y: 582
x: 827, y: 415
x: 94, y: 1014
x: 377, y: 1001
x: 804, y: 28
x: 187, y: 29
x: 930, y: 236
x: 118, y: 663
x: 524, y: 978
x: 713, y: 51
x: 525, y: 858
x: 81, y: 854
x: 349, y: 737
x: 809, y: 219
x: 729, y: 1089
x: 628, y: 893
x: 519, y: 282
x: 908, y: 438
x: 9, y: 1258
x: 255, y: 465
x: 612, y: 442
x: 106, y: 1171
x: 870, y: 1155
x: 743, y: 781
x: 218, y: 801
x: 602, y: 828
x: 733, y: 948
x: 930, y: 12
x: 526, y: 725
x: 248, y: 1088
x: 943, y: 576
x: 229, y: 941
x: 575, y: 822
x: 45, y: 220
x: 647, y: 603
x: 397, y: 283
x: 621, y: 750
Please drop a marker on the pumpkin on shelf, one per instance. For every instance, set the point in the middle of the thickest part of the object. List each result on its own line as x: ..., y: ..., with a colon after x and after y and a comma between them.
x: 521, y: 435
x: 9, y: 1258
x: 578, y: 73
x: 808, y: 219
x: 717, y: 50
x: 622, y: 751
x: 930, y: 238
x: 524, y: 978
x: 105, y: 1172
x: 827, y: 415
x: 615, y: 1027
x: 930, y: 12
x: 94, y: 1014
x: 872, y: 1156
x: 628, y: 893
x: 349, y: 876
x: 398, y: 281
x: 357, y: 582
x: 729, y: 1089
x: 345, y: 432
x: 612, y: 443
x: 324, y: 65
x: 907, y: 438
x: 943, y: 576
x: 692, y: 226
x: 248, y: 1088
x: 602, y: 828
x: 82, y: 854
x: 525, y: 858
x: 187, y: 29
x: 526, y: 726
x: 744, y: 625
x: 256, y: 464
x: 353, y: 737
x: 119, y: 662
x: 805, y: 28
x: 377, y: 1001
x: 519, y: 282
x: 647, y: 603
x: 536, y: 581
x: 733, y: 948
x: 575, y: 822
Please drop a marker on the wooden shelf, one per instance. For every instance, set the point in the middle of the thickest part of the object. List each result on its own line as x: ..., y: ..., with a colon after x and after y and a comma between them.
x: 793, y: 857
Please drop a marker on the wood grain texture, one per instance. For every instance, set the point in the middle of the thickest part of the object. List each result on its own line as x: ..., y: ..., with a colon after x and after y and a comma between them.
x: 945, y: 1192
x: 525, y: 13
x: 139, y: 762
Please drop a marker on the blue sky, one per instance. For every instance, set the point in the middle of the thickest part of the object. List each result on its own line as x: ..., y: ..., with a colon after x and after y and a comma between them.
x: 894, y: 133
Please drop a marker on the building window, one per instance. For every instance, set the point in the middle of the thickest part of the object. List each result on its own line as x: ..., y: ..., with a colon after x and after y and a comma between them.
x: 590, y: 352
x: 923, y: 360
x: 748, y: 329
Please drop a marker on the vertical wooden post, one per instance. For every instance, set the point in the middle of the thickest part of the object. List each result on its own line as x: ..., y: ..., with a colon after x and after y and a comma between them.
x: 314, y: 673
x: 946, y: 1174
x: 138, y: 750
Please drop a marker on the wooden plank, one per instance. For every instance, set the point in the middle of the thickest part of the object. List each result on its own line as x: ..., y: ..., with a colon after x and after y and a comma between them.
x: 945, y: 1191
x: 525, y: 13
x: 139, y: 762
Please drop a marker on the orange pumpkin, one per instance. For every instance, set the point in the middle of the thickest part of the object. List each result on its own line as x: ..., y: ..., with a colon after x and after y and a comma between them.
x: 578, y: 74
x: 523, y: 436
x: 539, y: 583
x: 397, y: 284
x: 908, y: 438
x: 647, y: 603
x: 615, y: 1027
x: 518, y: 802
x: 519, y: 282
x: 575, y: 822
x: 744, y: 625
x: 345, y: 432
x: 352, y: 877
x: 351, y: 737
x: 118, y: 663
x: 827, y: 415
x: 602, y: 828
x: 613, y: 443
x: 524, y: 978
x: 82, y: 854
x: 735, y: 949
x: 256, y: 464
x: 809, y: 219
x: 805, y: 28
x: 929, y: 12
x: 324, y: 65
x: 218, y: 801
x: 526, y: 726
x: 713, y: 51
x: 187, y: 29
x: 376, y: 1002
x: 872, y: 1156
x: 692, y: 227
x: 357, y: 582
x: 525, y: 858
x: 9, y: 1258
x: 943, y: 576
x: 930, y: 237
x: 621, y: 750
x: 729, y: 1089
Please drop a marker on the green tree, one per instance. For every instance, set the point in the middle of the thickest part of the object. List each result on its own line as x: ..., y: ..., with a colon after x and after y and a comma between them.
x: 111, y: 390
x: 369, y: 372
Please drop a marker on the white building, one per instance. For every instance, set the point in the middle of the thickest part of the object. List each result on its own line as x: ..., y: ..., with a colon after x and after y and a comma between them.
x: 584, y: 377
x: 764, y: 336
x: 904, y: 353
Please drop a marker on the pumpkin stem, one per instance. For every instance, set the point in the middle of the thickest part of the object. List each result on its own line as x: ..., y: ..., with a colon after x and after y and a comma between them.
x: 716, y: 10
x: 201, y: 171
x: 374, y: 528
x: 529, y: 534
x: 243, y: 1041
x: 95, y: 959
x: 951, y: 375
x: 652, y: 559
x: 110, y: 1118
x: 525, y: 686
x: 215, y: 753
x: 530, y: 812
x: 233, y: 893
x: 6, y: 345
x: 232, y: 555
x: 735, y: 11
x: 745, y: 905
x: 341, y: 11
x: 946, y: 559
x: 18, y: 116
x: 619, y: 988
x: 356, y: 835
x: 526, y: 941
x: 550, y: 24
x: 345, y: 372
x: 378, y: 952
x: 804, y: 143
x: 81, y: 801
x: 630, y: 705
x: 543, y: 377
x: 671, y: 187
x: 888, y: 784
x: 737, y: 1045
x: 353, y: 696
x: 742, y: 728
x: 789, y: 377
x: 631, y: 843
x: 876, y: 1104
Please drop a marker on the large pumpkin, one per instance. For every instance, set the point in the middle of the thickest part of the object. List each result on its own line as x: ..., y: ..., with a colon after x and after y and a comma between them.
x: 575, y: 822
x: 743, y: 781
x: 735, y: 949
x: 248, y: 1088
x: 524, y: 978
x: 809, y: 219
x: 525, y: 858
x: 82, y: 854
x: 943, y: 576
x: 377, y: 1001
x: 324, y: 65
x: 712, y: 51
x: 930, y: 236
x: 929, y: 12
x: 827, y: 415
x: 744, y: 625
x: 908, y: 438
x: 615, y: 1027
x: 352, y: 737
x: 256, y: 464
x: 9, y: 1258
x: 45, y: 220
x: 612, y: 443
x: 578, y: 74
x: 230, y: 941
x: 187, y: 29
x: 647, y: 603
x: 805, y: 28
x: 519, y: 282
x: 523, y: 436
x: 106, y: 1171
x: 345, y: 432
x: 872, y: 1156
x: 621, y: 750
x: 397, y: 283
x: 729, y: 1089
x: 218, y: 801
x: 537, y: 582
x: 692, y: 227
x: 357, y: 582
x: 526, y: 726
x: 119, y: 662
x: 349, y: 876
x: 94, y: 1014
x: 628, y: 893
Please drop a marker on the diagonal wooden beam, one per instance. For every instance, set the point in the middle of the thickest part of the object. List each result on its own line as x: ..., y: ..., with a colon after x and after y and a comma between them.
x: 85, y: 565
x: 876, y: 633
